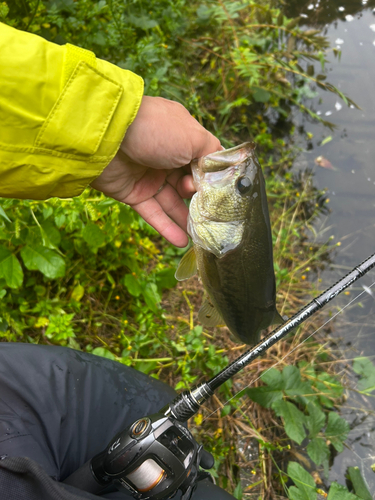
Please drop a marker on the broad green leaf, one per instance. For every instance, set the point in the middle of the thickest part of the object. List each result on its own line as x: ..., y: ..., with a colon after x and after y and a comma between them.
x: 133, y: 285
x: 60, y: 220
x: 291, y: 376
x: 45, y: 260
x: 51, y: 233
x: 293, y: 419
x: 151, y: 296
x: 93, y: 236
x: 47, y: 212
x: 261, y: 95
x: 315, y: 420
x: 293, y: 384
x: 273, y: 378
x: 337, y: 430
x: 339, y: 492
x: 318, y: 450
x: 359, y: 483
x: 304, y: 482
x: 365, y: 368
x: 264, y: 395
x: 166, y: 279
x: 4, y: 215
x: 10, y: 268
x: 126, y: 215
x: 295, y: 493
x: 104, y: 353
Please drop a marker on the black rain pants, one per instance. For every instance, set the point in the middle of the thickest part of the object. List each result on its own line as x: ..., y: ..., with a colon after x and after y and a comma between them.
x: 60, y: 407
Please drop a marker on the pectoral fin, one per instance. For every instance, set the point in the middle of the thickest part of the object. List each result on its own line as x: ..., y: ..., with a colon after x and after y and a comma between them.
x: 187, y: 266
x: 209, y: 316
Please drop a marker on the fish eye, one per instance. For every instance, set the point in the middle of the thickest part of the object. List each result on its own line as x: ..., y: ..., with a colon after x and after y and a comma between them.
x: 244, y: 185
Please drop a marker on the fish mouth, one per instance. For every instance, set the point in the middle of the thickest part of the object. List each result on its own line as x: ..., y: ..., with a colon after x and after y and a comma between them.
x: 220, y: 160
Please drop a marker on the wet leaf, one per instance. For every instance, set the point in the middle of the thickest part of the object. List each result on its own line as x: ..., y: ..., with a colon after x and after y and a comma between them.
x: 104, y: 353
x: 359, y: 483
x: 305, y: 485
x: 315, y: 420
x: 133, y: 285
x: 339, y: 492
x: 274, y: 378
x: 318, y: 450
x: 10, y: 268
x: 337, y: 430
x: 45, y: 260
x: 151, y: 296
x: 264, y: 395
x: 365, y: 368
x: 93, y: 236
x: 293, y: 419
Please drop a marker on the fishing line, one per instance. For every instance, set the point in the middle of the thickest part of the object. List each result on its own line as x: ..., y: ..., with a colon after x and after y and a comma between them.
x: 290, y: 352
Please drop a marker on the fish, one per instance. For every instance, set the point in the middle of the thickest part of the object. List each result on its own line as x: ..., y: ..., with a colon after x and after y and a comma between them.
x: 232, y: 252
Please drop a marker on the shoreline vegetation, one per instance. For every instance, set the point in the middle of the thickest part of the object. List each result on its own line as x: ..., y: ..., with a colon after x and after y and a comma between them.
x: 88, y: 273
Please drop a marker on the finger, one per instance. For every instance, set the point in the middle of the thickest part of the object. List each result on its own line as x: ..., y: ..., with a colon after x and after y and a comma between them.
x: 204, y: 143
x: 173, y: 205
x: 182, y: 182
x: 185, y: 186
x: 151, y: 211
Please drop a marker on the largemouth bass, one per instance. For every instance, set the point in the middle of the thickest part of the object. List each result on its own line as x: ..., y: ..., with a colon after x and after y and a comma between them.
x: 232, y: 253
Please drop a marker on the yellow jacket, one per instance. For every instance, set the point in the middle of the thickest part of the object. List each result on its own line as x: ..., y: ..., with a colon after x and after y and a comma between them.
x: 63, y: 115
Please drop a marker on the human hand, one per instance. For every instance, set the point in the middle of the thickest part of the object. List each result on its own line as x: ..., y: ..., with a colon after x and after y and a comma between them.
x: 150, y: 171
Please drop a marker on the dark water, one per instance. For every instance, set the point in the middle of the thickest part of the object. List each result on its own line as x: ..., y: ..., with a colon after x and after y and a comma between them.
x: 350, y: 26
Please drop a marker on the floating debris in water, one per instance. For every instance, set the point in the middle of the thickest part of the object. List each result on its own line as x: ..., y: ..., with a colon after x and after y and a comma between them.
x: 311, y: 6
x: 360, y: 43
x: 338, y: 106
x: 318, y: 113
x: 328, y: 113
x: 304, y: 15
x: 341, y: 9
x: 349, y: 18
x: 369, y: 179
x: 372, y: 27
x: 373, y: 43
x: 352, y: 105
x: 353, y: 171
x: 339, y: 41
x: 324, y: 163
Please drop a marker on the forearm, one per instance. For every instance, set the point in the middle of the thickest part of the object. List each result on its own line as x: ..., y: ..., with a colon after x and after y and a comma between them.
x: 63, y: 115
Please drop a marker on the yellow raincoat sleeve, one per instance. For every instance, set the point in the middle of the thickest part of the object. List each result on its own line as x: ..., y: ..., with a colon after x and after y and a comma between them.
x: 63, y: 115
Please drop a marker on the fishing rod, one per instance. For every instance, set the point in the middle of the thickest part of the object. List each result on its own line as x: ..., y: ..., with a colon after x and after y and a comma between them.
x: 156, y: 455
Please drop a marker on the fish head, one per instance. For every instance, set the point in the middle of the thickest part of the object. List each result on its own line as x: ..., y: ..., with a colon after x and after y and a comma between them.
x: 228, y: 184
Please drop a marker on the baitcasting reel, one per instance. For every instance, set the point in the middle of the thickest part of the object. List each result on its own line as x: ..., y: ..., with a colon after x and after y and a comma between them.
x: 153, y: 458
x: 157, y: 456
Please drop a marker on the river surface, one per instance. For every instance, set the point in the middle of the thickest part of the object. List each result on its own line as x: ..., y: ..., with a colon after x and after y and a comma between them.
x: 350, y: 26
